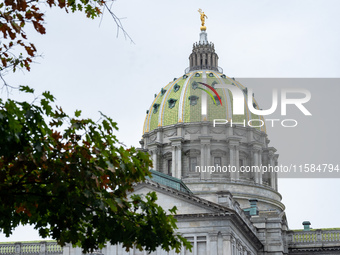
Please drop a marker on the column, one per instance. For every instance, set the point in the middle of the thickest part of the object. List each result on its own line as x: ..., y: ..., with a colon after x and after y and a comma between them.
x: 257, y: 161
x: 204, y: 56
x: 154, y: 159
x: 234, y: 143
x: 237, y: 159
x: 252, y: 163
x: 260, y: 164
x: 42, y: 248
x: 66, y: 249
x: 18, y: 249
x: 179, y: 162
x: 208, y: 159
x: 209, y: 60
x: 276, y: 156
x: 213, y: 60
x: 219, y: 244
x: 233, y: 246
x: 232, y: 160
x: 213, y: 244
x: 202, y: 162
x: 174, y: 162
x: 272, y: 174
x: 176, y: 143
x: 226, y: 245
x: 205, y: 155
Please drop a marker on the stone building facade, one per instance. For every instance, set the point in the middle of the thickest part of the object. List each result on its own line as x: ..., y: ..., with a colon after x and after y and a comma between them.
x: 193, y: 136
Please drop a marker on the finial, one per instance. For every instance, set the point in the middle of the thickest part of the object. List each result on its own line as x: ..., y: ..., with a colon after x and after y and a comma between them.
x: 203, y: 16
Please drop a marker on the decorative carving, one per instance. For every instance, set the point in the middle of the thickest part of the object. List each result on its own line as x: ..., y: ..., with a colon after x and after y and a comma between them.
x: 170, y: 133
x: 197, y: 75
x: 152, y: 138
x: 257, y: 138
x: 167, y: 155
x: 194, y: 85
x: 211, y: 75
x: 232, y: 146
x: 191, y: 131
x: 193, y: 100
x: 218, y: 153
x: 213, y: 84
x: 163, y: 91
x: 192, y: 152
x: 177, y: 146
x: 155, y: 108
x: 239, y: 132
x: 217, y: 130
x: 217, y: 100
x: 176, y: 87
x: 172, y: 103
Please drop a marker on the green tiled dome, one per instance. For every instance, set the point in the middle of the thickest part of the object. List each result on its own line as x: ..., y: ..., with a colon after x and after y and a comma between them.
x: 180, y: 102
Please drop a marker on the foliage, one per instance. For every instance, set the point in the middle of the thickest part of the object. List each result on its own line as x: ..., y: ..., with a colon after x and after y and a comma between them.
x: 16, y: 51
x: 70, y: 178
x: 16, y: 14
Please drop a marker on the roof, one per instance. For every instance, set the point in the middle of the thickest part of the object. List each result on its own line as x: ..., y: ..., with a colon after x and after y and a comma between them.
x: 180, y: 101
x: 169, y: 181
x: 315, y: 229
x: 230, y: 209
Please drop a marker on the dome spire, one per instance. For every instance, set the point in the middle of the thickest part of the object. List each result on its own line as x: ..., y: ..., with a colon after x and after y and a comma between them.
x: 203, y: 34
x: 203, y: 56
x: 203, y: 16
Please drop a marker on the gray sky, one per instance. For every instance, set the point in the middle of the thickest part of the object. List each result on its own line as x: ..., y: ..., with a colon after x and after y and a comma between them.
x: 86, y: 67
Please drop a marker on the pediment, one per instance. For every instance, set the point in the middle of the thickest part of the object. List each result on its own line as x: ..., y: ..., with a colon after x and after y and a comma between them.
x: 185, y: 203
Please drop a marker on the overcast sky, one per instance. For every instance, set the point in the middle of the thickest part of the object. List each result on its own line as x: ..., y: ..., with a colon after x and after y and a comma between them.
x: 88, y: 68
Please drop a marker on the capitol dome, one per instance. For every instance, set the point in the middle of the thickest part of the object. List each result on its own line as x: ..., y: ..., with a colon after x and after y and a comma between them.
x: 183, y: 99
x: 183, y: 141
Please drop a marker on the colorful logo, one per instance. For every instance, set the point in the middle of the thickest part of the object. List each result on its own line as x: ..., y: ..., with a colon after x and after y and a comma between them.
x: 209, y: 93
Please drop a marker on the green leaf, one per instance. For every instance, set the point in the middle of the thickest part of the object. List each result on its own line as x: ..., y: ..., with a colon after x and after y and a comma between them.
x: 77, y: 113
x: 26, y: 89
x: 46, y: 106
x: 112, y: 205
x: 48, y: 96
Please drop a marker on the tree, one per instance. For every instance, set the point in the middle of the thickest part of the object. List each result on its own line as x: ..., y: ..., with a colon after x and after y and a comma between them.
x: 15, y: 15
x: 70, y: 177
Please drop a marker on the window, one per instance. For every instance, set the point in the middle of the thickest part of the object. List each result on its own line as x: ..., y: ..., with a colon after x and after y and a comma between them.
x: 193, y: 164
x: 217, y: 161
x: 170, y: 167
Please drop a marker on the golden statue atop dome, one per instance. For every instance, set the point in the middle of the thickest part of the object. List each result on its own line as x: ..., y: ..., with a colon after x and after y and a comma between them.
x: 203, y: 16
